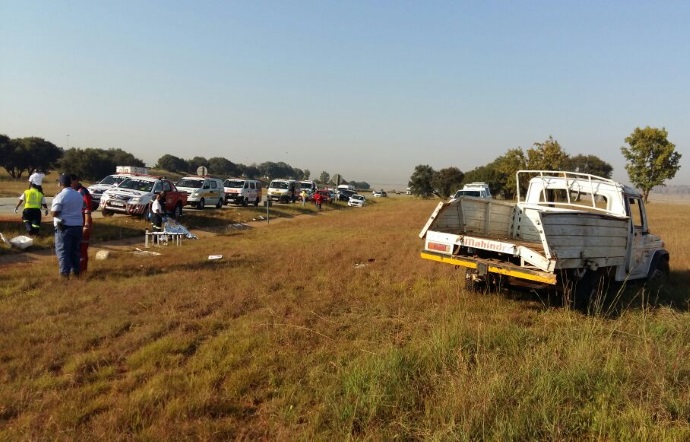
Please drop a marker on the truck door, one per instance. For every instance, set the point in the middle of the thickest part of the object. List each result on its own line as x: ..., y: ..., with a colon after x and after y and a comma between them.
x: 638, y: 256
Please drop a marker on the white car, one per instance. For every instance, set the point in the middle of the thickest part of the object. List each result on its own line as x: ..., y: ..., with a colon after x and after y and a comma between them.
x: 356, y: 200
x: 96, y: 190
x: 377, y: 193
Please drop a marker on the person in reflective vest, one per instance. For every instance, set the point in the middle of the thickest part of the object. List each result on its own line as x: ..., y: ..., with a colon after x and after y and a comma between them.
x: 33, y: 200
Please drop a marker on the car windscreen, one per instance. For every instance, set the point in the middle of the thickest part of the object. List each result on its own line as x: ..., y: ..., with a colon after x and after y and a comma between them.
x: 279, y: 185
x: 233, y: 184
x: 194, y: 184
x: 141, y: 185
x: 112, y: 179
x: 474, y: 193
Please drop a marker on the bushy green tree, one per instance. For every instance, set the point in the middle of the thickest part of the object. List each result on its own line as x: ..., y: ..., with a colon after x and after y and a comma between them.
x: 546, y: 156
x: 506, y: 167
x: 651, y: 158
x: 221, y: 167
x: 172, y: 163
x: 197, y: 162
x: 591, y: 164
x: 324, y: 177
x: 447, y: 181
x: 421, y: 181
x: 22, y: 155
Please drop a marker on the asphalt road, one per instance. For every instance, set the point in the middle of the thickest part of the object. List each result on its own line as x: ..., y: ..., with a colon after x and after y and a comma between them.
x: 7, y: 206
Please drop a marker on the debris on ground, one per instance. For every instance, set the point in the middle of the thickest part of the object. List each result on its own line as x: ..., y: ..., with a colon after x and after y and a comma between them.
x: 21, y: 242
x: 139, y: 252
x: 214, y: 257
x: 172, y: 226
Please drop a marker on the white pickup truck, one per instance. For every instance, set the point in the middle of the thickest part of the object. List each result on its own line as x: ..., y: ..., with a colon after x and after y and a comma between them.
x: 569, y: 232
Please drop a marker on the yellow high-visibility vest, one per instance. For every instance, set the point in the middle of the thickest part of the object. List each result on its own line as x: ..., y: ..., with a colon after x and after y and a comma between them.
x: 32, y: 198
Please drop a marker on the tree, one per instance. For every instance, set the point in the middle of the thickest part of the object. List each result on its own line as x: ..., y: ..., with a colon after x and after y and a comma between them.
x: 172, y: 163
x: 196, y: 162
x: 421, y: 181
x: 324, y: 177
x: 447, y: 180
x: 591, y: 164
x: 89, y: 164
x: 25, y: 154
x: 546, y: 156
x: 122, y: 158
x: 651, y: 158
x: 221, y: 166
x: 506, y: 167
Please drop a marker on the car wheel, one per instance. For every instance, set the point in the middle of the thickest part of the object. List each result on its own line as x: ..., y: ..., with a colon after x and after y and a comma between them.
x: 256, y: 203
x: 106, y: 212
x: 177, y: 213
x: 200, y: 204
x: 219, y: 204
x: 660, y: 272
x: 244, y: 202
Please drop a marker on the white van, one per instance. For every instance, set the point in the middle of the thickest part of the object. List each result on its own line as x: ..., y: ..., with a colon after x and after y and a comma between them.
x: 307, y: 185
x: 286, y: 191
x: 242, y: 191
x: 202, y: 191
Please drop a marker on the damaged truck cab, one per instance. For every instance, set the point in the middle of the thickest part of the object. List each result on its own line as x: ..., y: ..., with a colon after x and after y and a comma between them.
x: 568, y: 229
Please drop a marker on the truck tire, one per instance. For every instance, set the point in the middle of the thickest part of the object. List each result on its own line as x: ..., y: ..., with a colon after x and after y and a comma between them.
x: 177, y: 212
x: 659, y: 270
x: 244, y: 202
x: 106, y: 212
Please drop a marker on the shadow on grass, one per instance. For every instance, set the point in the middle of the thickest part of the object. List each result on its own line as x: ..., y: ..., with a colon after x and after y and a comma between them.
x: 672, y: 293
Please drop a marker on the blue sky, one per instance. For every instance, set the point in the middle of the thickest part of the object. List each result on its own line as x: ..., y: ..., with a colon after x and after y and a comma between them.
x: 365, y: 89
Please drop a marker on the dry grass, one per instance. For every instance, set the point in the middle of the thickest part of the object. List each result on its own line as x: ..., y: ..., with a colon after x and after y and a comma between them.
x: 332, y: 327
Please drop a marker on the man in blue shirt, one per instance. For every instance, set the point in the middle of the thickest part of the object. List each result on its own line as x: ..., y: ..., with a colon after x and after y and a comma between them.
x: 68, y: 220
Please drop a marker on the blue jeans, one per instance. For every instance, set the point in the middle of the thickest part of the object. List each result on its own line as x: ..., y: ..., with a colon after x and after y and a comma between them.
x: 67, y: 242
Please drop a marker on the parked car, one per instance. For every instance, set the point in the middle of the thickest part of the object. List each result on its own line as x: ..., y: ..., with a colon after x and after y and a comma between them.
x: 356, y: 200
x: 96, y: 190
x: 325, y: 196
x: 134, y: 195
x: 376, y: 194
x: 242, y: 191
x: 202, y: 191
x: 344, y: 194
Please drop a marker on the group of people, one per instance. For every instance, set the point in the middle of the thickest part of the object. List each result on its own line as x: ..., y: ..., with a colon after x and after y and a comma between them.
x: 71, y: 211
x: 318, y: 198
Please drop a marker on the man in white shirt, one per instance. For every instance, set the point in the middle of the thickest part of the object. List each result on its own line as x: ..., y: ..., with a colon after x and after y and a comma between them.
x: 68, y: 220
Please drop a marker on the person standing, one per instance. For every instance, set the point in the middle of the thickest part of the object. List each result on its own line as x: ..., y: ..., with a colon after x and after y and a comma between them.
x: 33, y: 200
x: 68, y: 220
x: 87, y: 222
x: 303, y: 196
x: 36, y: 178
x: 318, y: 199
x: 157, y: 213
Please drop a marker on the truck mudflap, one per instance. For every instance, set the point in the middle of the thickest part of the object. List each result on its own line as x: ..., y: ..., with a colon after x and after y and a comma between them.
x: 489, y: 266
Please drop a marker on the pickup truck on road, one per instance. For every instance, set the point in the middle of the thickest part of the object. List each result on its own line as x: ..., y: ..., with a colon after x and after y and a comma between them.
x: 570, y: 231
x: 134, y: 195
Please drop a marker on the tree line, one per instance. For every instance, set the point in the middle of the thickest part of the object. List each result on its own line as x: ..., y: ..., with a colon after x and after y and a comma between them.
x: 651, y: 161
x: 19, y: 156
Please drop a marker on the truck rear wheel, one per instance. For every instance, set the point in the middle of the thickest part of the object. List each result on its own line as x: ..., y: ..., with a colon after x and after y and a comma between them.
x: 177, y: 212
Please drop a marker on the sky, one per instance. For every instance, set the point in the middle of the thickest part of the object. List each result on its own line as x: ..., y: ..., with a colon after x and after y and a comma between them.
x: 364, y: 89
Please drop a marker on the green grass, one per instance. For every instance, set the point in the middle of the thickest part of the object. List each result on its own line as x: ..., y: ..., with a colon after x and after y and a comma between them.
x: 329, y: 327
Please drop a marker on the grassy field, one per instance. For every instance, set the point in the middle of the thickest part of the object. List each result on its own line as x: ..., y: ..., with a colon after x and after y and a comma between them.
x: 332, y: 327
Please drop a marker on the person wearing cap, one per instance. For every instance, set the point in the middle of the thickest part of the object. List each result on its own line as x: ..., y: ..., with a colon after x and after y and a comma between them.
x: 87, y: 222
x: 33, y: 200
x: 68, y: 220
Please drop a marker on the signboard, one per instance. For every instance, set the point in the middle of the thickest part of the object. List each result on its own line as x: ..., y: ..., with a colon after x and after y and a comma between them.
x: 201, y: 170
